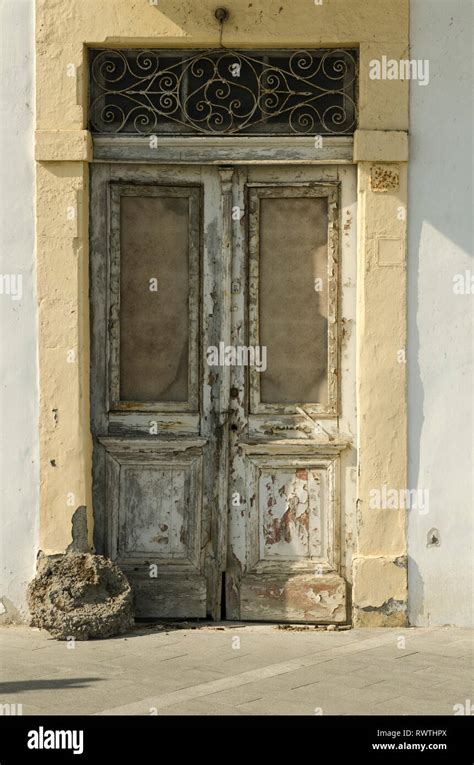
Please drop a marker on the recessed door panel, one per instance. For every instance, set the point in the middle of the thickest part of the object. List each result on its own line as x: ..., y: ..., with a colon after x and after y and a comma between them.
x: 293, y: 294
x: 291, y: 502
x: 154, y: 261
x: 154, y: 296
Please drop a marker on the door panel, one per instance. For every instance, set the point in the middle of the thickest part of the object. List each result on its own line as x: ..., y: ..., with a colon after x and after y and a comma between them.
x: 154, y: 505
x: 154, y: 252
x: 158, y: 431
x: 154, y: 239
x: 292, y: 254
x: 293, y: 296
x: 291, y: 440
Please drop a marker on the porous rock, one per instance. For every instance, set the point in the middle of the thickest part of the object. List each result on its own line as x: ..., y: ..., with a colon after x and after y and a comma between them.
x: 81, y: 596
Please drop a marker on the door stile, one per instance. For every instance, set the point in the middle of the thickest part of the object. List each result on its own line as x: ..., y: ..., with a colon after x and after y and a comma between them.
x: 216, y: 378
x: 237, y: 504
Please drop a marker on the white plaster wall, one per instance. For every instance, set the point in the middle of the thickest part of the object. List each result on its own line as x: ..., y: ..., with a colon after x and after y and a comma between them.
x: 18, y: 366
x: 440, y: 347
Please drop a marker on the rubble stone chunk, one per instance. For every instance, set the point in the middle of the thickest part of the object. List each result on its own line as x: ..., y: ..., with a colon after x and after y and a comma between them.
x: 82, y: 596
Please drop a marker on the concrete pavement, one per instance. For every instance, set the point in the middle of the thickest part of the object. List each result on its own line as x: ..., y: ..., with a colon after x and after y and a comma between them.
x: 239, y: 669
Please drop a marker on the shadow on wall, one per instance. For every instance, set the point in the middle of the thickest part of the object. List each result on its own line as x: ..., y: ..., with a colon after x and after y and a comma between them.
x: 416, y: 593
x: 9, y: 614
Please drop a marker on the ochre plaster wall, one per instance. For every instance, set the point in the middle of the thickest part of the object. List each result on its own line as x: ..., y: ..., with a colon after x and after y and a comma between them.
x: 64, y: 29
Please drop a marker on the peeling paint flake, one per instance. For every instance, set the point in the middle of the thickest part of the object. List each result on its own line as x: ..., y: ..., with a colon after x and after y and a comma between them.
x: 291, y: 514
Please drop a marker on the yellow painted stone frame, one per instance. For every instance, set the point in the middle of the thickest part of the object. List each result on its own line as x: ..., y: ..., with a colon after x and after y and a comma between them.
x: 64, y: 29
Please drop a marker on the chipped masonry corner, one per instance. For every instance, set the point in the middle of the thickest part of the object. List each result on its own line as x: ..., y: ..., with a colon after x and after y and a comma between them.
x: 380, y: 595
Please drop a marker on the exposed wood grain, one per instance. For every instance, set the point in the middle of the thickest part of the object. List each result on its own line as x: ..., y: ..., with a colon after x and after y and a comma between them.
x: 297, y: 598
x: 235, y: 150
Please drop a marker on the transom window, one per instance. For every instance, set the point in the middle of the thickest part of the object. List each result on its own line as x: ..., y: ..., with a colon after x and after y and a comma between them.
x: 223, y: 92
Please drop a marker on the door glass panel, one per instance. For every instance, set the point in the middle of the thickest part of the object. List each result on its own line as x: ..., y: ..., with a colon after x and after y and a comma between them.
x: 154, y: 324
x: 293, y: 299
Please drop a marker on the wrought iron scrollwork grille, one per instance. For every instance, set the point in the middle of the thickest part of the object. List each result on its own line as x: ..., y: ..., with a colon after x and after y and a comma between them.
x: 223, y: 92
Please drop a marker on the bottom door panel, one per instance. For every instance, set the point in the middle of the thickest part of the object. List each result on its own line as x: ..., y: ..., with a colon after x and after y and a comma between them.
x: 293, y: 598
x: 288, y: 569
x: 154, y: 523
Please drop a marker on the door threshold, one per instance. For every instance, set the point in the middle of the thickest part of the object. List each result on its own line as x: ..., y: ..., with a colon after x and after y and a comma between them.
x: 166, y: 625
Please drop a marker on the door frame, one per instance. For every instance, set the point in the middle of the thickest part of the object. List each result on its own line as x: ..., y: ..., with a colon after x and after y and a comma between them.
x: 364, y: 568
x: 64, y: 150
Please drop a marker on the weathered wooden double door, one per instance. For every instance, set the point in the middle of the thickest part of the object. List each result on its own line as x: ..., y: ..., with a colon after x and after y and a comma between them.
x: 223, y: 403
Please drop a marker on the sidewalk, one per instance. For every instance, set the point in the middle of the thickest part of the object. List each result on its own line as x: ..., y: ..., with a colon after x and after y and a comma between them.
x: 240, y: 669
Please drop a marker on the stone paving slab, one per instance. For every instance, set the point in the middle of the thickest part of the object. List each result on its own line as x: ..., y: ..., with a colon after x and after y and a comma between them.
x: 202, y: 669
